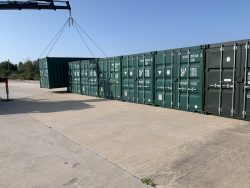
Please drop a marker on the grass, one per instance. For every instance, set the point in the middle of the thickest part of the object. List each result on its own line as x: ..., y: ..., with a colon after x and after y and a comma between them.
x: 148, y: 181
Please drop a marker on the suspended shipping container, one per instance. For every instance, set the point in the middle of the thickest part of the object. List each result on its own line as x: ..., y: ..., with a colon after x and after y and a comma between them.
x: 54, y: 71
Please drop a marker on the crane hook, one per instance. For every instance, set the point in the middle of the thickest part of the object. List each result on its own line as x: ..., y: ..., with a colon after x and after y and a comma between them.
x: 71, y: 20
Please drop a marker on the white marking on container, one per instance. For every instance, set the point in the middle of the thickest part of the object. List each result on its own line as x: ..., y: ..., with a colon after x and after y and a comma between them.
x: 227, y: 80
x: 160, y: 97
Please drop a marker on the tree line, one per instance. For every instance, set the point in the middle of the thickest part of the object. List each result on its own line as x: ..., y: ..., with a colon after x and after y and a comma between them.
x: 28, y: 70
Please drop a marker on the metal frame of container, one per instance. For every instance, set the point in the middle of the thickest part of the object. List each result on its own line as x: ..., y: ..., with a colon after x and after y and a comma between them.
x: 228, y: 79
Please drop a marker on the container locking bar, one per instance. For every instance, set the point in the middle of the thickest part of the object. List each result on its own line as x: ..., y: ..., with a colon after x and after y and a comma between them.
x: 143, y: 78
x: 188, y: 74
x: 137, y: 77
x: 114, y: 75
x: 179, y: 54
x: 163, y: 76
x: 245, y: 82
x: 233, y: 86
x: 128, y: 75
x: 172, y: 67
x: 220, y: 91
x: 133, y: 76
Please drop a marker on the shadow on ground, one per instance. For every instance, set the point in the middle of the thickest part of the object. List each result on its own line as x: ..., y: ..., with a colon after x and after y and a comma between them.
x: 25, y: 105
x: 60, y: 92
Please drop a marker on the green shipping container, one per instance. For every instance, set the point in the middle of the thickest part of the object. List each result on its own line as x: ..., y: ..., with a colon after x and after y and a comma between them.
x: 104, y: 83
x: 74, y: 77
x: 115, y: 78
x: 228, y: 79
x: 179, y: 78
x: 145, y: 78
x: 54, y: 71
x: 129, y: 78
x: 89, y: 77
x: 165, y: 79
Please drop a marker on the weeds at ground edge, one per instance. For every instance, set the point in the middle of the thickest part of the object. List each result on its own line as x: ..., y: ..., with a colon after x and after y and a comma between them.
x: 148, y: 181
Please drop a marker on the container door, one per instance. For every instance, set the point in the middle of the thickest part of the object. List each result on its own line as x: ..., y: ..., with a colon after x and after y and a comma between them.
x: 145, y: 79
x: 128, y: 78
x: 84, y: 77
x: 115, y: 78
x: 70, y: 77
x: 44, y: 74
x: 77, y: 79
x: 103, y: 78
x: 164, y: 80
x: 93, y: 78
x: 245, y: 86
x: 190, y: 77
x: 74, y: 77
x: 223, y: 80
x: 125, y: 78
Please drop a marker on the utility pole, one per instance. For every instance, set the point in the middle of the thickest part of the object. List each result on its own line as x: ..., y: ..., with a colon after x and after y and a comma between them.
x: 8, y: 64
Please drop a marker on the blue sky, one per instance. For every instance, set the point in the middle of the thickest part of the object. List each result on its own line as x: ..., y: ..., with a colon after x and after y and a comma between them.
x: 124, y: 26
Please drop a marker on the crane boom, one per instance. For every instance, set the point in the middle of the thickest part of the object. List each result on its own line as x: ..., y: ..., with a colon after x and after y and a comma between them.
x: 39, y: 5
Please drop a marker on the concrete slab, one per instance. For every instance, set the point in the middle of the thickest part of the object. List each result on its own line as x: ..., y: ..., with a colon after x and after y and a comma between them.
x: 32, y: 155
x: 176, y: 149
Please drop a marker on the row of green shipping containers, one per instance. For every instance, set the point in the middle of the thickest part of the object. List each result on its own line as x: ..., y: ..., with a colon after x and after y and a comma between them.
x: 172, y: 79
x: 213, y: 78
